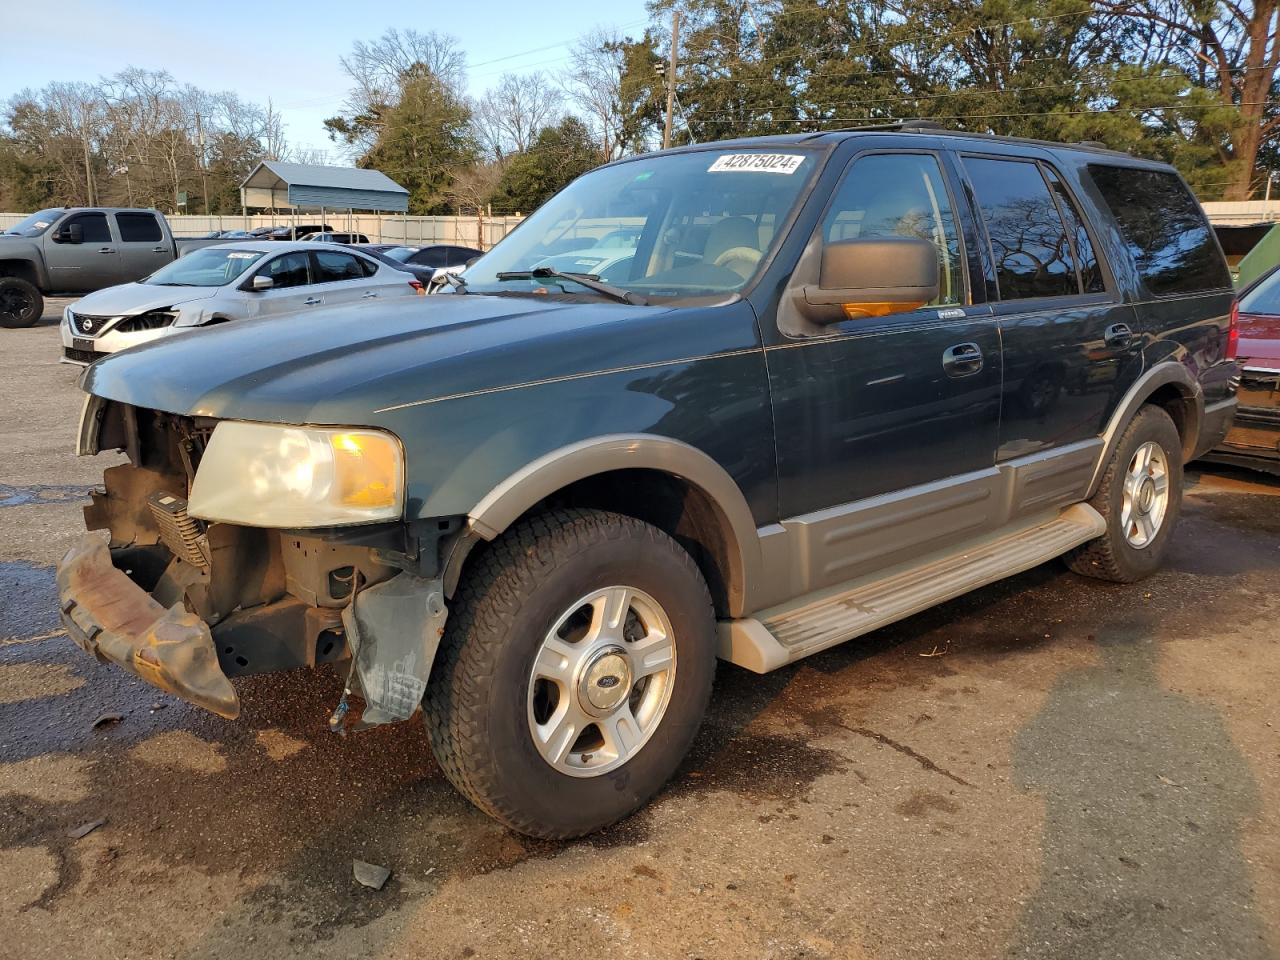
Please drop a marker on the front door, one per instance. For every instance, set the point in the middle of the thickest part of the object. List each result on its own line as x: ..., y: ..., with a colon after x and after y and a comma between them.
x: 91, y: 264
x: 291, y: 290
x: 901, y: 408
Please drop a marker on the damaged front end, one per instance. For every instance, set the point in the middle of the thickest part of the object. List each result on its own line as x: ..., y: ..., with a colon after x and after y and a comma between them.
x: 187, y: 603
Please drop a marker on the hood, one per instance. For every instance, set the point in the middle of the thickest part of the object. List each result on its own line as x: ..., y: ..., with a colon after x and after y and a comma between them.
x: 132, y: 298
x: 348, y: 365
x: 1259, y: 340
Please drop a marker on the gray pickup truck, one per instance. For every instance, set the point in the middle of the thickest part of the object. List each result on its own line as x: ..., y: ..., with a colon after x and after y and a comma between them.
x: 77, y: 250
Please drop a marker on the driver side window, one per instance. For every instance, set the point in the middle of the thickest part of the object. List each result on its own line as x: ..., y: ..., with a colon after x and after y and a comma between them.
x: 289, y: 270
x: 900, y: 195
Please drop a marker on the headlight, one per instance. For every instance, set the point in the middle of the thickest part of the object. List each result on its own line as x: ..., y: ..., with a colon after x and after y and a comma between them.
x: 263, y: 475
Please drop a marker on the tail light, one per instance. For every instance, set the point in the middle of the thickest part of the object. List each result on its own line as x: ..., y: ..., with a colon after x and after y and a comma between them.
x: 1233, y: 332
x: 418, y: 287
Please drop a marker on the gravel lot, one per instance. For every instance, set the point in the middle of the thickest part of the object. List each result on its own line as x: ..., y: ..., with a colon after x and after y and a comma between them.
x: 1049, y: 767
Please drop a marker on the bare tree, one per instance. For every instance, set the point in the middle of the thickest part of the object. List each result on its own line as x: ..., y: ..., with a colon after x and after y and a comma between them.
x: 509, y: 115
x: 593, y: 81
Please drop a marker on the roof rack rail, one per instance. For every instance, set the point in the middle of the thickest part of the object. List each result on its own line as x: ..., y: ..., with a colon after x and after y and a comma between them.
x: 895, y: 126
x: 1092, y: 143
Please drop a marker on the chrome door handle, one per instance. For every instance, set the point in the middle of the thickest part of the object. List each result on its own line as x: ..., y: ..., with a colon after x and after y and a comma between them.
x: 312, y: 301
x: 962, y: 360
x: 369, y: 296
x: 1117, y: 335
x: 158, y: 250
x: 105, y: 250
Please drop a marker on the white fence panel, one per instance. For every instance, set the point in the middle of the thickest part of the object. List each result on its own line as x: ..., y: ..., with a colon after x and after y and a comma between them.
x: 379, y: 228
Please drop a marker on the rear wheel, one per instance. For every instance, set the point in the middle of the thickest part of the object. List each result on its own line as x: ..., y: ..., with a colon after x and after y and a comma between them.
x: 21, y: 304
x: 574, y: 672
x: 1140, y: 497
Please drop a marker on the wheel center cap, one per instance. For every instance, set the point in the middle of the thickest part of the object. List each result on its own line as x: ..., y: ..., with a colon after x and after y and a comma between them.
x: 1146, y: 495
x: 606, y: 682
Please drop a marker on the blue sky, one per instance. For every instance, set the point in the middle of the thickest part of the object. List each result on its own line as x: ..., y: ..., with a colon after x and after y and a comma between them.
x: 287, y: 50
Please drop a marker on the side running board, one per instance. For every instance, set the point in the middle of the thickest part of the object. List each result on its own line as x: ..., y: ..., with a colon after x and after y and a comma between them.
x: 795, y: 629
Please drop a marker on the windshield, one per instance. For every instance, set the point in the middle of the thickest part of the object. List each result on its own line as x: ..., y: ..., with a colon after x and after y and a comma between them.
x: 35, y: 224
x: 670, y: 225
x: 1264, y: 298
x: 210, y: 267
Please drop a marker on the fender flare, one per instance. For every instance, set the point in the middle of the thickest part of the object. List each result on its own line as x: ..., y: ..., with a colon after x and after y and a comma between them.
x: 555, y: 470
x: 1162, y: 374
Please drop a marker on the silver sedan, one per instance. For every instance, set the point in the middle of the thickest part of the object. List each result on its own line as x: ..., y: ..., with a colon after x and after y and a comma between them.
x: 235, y: 281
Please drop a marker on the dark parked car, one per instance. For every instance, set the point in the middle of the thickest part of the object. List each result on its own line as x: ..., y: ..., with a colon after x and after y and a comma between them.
x: 387, y: 253
x: 1254, y: 440
x: 809, y: 404
x: 297, y: 232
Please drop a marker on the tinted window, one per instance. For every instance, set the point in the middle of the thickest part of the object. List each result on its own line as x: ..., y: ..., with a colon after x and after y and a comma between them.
x: 332, y: 266
x: 888, y: 195
x: 287, y: 271
x: 94, y: 226
x: 138, y: 228
x: 367, y: 267
x: 1028, y: 239
x: 1164, y: 228
x: 430, y: 257
x: 1264, y: 298
x: 1086, y: 259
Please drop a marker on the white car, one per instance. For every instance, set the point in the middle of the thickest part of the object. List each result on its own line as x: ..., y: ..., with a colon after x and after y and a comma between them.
x: 235, y: 281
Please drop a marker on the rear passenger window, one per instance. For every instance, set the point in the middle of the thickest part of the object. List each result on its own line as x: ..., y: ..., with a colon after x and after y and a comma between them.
x: 333, y: 266
x: 899, y: 195
x: 1086, y: 259
x: 1028, y: 239
x: 367, y: 267
x: 138, y: 228
x: 1164, y: 228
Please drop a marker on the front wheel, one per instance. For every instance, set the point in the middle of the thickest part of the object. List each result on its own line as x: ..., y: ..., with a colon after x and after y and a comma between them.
x: 21, y: 304
x: 1140, y: 497
x: 574, y: 672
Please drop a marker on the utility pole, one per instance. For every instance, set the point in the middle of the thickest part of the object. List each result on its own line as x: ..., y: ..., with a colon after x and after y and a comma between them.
x: 671, y: 77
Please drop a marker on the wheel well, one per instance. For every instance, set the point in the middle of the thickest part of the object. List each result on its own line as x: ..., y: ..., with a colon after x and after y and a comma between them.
x: 22, y: 269
x: 1182, y: 410
x: 678, y: 508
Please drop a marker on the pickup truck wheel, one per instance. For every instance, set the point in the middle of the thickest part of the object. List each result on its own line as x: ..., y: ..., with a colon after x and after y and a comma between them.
x: 21, y: 304
x: 1140, y: 497
x: 574, y: 672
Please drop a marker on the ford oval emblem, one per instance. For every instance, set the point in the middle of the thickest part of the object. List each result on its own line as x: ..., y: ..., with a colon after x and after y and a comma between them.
x: 607, y: 682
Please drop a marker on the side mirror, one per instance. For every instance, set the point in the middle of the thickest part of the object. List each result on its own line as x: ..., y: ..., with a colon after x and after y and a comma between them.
x: 260, y: 283
x: 872, y: 277
x: 70, y: 233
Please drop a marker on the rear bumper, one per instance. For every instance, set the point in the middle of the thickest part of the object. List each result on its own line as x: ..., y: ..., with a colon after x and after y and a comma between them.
x: 108, y: 615
x: 1253, y: 439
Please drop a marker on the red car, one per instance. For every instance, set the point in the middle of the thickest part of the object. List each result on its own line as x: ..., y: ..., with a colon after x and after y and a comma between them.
x: 1254, y: 440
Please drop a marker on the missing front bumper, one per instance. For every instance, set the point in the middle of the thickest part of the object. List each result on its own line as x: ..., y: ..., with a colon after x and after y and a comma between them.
x: 108, y: 615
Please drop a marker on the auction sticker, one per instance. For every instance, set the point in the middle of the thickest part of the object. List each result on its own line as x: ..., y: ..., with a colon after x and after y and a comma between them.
x: 757, y: 163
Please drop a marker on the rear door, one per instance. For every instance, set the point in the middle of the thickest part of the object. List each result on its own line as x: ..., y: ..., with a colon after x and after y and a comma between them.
x: 143, y: 246
x: 1071, y: 346
x: 339, y: 277
x: 92, y: 264
x: 897, y: 414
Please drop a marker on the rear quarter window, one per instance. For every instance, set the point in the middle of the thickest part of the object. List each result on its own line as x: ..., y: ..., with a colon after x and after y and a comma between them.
x: 1164, y: 228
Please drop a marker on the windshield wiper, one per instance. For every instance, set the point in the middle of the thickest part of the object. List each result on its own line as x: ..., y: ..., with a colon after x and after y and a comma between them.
x: 588, y: 280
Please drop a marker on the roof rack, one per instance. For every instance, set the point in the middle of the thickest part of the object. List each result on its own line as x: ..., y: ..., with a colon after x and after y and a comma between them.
x: 895, y: 126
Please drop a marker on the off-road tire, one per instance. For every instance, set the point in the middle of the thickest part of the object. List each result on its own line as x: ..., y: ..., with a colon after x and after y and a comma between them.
x: 1111, y: 557
x: 32, y: 314
x: 509, y: 597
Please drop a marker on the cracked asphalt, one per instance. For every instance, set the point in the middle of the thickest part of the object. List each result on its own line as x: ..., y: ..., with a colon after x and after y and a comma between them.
x: 1049, y: 767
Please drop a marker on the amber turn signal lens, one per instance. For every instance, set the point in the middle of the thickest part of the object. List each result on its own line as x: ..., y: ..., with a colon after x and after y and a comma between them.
x: 366, y: 467
x: 861, y: 311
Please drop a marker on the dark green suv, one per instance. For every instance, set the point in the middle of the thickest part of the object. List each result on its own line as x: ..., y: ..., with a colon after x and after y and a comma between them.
x: 746, y: 400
